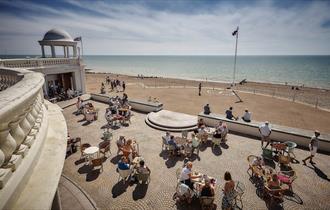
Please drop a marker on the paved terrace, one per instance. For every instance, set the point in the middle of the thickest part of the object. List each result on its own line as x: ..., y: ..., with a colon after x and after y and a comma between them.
x: 312, y: 186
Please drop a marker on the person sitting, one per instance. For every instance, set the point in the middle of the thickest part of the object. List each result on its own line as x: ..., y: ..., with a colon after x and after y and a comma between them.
x: 258, y: 162
x: 218, y: 130
x: 207, y: 189
x: 186, y: 175
x: 143, y: 169
x: 167, y: 136
x: 229, y: 114
x: 172, y: 142
x: 207, y: 109
x: 127, y: 149
x: 79, y: 105
x: 274, y: 183
x: 120, y: 143
x: 203, y: 134
x: 224, y: 132
x: 247, y: 116
x: 69, y: 93
x: 123, y: 163
x: 200, y: 123
x: 194, y: 142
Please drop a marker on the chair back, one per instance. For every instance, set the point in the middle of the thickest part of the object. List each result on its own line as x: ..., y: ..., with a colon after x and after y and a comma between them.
x: 283, y: 159
x: 178, y: 173
x: 84, y: 146
x: 267, y: 153
x: 240, y: 188
x: 184, y: 134
x: 124, y: 173
x: 97, y: 162
x: 143, y: 177
x: 206, y: 201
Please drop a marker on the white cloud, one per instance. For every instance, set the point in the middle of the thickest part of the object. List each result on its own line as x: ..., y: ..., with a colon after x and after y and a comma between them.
x: 136, y: 29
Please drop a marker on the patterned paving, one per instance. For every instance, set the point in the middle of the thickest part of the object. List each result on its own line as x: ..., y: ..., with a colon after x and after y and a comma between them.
x: 312, y: 187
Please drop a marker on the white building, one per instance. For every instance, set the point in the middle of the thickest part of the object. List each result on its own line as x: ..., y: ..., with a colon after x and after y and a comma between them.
x: 66, y: 71
x: 33, y: 131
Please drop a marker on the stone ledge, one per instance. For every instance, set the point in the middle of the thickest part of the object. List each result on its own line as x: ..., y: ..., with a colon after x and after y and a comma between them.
x: 37, y: 185
x: 279, y: 133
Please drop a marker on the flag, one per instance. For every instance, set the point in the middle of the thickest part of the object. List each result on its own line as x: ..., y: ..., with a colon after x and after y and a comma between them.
x: 77, y: 39
x: 235, y: 32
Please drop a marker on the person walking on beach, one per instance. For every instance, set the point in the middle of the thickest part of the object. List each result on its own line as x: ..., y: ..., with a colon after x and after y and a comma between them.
x: 313, y: 146
x: 124, y: 86
x: 199, y: 89
x: 265, y: 132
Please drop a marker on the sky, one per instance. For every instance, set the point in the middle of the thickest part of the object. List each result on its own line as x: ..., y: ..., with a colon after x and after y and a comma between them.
x: 171, y: 27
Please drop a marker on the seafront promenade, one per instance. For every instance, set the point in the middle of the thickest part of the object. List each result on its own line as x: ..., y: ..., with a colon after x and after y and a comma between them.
x: 310, y: 189
x: 186, y: 100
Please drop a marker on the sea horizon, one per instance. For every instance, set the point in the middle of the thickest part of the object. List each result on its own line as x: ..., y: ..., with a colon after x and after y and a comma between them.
x: 296, y: 70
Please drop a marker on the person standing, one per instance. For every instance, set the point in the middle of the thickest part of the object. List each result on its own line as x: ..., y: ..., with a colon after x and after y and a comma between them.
x: 199, y: 89
x: 313, y: 146
x: 124, y: 86
x: 265, y: 132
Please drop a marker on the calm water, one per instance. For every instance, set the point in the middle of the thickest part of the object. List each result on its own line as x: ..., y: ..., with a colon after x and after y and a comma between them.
x: 313, y: 71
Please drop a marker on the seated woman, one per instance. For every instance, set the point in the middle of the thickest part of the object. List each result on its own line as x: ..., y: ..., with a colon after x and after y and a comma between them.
x: 274, y: 183
x: 127, y: 149
x: 203, y: 134
x: 194, y: 142
x: 143, y: 169
x: 120, y: 143
x: 228, y: 192
x: 200, y: 123
x: 123, y: 163
x: 186, y: 175
x: 135, y: 149
x: 207, y: 189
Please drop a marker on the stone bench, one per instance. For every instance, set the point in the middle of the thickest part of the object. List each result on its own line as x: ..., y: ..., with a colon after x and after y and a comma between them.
x: 279, y: 133
x: 137, y: 105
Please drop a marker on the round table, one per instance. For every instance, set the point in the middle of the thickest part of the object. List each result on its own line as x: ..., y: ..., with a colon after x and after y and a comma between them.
x: 90, y: 152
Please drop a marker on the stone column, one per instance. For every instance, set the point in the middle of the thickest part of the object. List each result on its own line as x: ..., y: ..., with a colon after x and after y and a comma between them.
x: 67, y: 52
x: 43, y: 51
x: 74, y: 51
x: 64, y: 52
x: 53, y: 51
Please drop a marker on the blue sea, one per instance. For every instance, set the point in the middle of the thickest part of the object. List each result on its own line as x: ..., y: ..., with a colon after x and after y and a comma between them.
x: 312, y: 71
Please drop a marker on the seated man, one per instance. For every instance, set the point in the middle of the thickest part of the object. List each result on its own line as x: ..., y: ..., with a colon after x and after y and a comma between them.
x: 247, y: 116
x: 207, y: 109
x: 123, y: 163
x: 229, y: 114
x: 173, y: 143
x: 186, y: 175
x: 194, y: 142
x: 143, y: 169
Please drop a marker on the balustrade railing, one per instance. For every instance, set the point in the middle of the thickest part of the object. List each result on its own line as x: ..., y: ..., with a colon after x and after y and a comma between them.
x: 8, y: 78
x: 21, y: 114
x: 37, y: 62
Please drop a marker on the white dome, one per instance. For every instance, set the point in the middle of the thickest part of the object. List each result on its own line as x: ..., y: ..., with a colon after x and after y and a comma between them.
x: 57, y: 35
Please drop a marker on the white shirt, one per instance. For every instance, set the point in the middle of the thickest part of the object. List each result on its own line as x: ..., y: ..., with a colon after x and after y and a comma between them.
x: 247, y: 116
x: 185, y: 174
x: 265, y: 130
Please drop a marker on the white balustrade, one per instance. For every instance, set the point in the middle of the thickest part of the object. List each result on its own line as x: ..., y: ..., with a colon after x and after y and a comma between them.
x: 21, y: 115
x: 37, y: 62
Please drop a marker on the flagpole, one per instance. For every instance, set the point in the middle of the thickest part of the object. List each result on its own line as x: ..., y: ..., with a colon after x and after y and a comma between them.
x: 235, y: 58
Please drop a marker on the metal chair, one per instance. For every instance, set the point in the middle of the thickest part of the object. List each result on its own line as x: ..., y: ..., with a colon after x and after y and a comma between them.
x: 216, y: 142
x: 105, y: 148
x: 124, y: 174
x: 206, y: 202
x: 143, y: 178
x: 239, y: 191
x: 82, y: 149
x: 98, y: 162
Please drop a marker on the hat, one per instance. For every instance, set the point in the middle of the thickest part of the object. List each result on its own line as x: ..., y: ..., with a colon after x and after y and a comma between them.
x: 317, y: 132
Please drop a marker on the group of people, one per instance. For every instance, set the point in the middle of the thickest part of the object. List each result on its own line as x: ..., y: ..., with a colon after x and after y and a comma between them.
x: 230, y: 115
x: 189, y: 145
x: 87, y: 109
x: 57, y: 91
x: 207, y: 187
x: 118, y: 109
x: 115, y: 84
